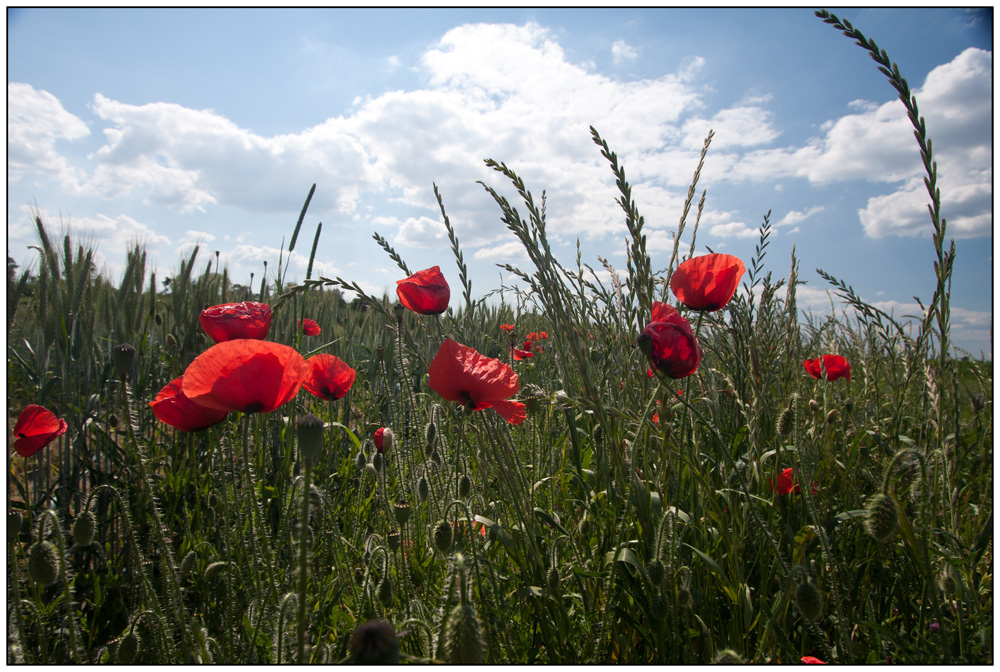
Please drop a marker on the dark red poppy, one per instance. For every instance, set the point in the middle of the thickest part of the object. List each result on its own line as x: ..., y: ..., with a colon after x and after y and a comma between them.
x: 244, y: 375
x: 459, y: 373
x: 174, y: 408
x: 522, y: 354
x: 309, y: 327
x: 425, y: 292
x: 707, y: 282
x: 230, y: 321
x: 786, y: 484
x: 36, y: 428
x: 671, y: 346
x: 836, y: 367
x: 661, y: 311
x: 328, y: 377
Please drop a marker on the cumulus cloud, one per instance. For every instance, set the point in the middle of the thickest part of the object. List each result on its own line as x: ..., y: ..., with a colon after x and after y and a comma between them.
x: 36, y: 120
x: 622, y: 51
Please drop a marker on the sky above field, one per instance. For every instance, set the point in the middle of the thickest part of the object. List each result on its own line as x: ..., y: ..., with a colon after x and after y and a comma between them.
x: 208, y: 127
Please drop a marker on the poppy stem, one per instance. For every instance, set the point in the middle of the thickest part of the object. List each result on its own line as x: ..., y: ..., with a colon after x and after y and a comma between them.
x: 303, y: 563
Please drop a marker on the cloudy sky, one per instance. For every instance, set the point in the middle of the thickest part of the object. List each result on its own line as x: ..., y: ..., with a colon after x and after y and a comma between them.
x: 184, y: 127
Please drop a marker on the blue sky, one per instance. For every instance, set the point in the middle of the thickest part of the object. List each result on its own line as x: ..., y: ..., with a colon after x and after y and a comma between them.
x: 181, y: 127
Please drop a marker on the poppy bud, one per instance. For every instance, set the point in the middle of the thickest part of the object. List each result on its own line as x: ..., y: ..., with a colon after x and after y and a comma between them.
x: 214, y: 569
x: 13, y: 525
x: 464, y: 486
x: 809, y: 601
x: 436, y: 458
x: 430, y: 435
x: 172, y: 342
x: 552, y: 579
x: 383, y: 440
x: 210, y: 516
x: 848, y: 404
x: 423, y: 489
x: 463, y: 640
x: 375, y: 643
x: 401, y: 510
x: 683, y: 597
x: 949, y: 582
x: 398, y: 310
x: 128, y: 648
x: 785, y: 422
x: 83, y: 529
x: 377, y: 462
x: 978, y: 401
x: 882, y: 519
x: 385, y: 591
x: 187, y: 564
x: 656, y: 572
x: 43, y: 563
x: 813, y: 405
x: 158, y: 319
x: 112, y: 421
x: 123, y: 357
x: 832, y: 416
x: 443, y: 536
x: 728, y: 657
x: 309, y: 429
x: 360, y: 460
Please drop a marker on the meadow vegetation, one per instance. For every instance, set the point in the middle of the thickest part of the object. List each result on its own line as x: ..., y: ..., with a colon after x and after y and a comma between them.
x: 754, y: 509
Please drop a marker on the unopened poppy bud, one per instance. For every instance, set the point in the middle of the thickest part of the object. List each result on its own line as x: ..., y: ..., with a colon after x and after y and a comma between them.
x: 13, y: 525
x: 377, y: 462
x: 785, y: 422
x: 423, y: 489
x: 436, y: 458
x: 83, y: 528
x: 43, y: 563
x: 157, y: 319
x: 380, y: 354
x: 214, y: 569
x: 383, y: 440
x: 809, y: 601
x: 464, y: 486
x: 443, y: 536
x: 728, y: 657
x: 946, y: 582
x: 553, y: 580
x: 375, y: 643
x: 401, y: 510
x: 385, y: 591
x: 656, y: 571
x: 463, y: 640
x: 310, y: 433
x: 360, y: 460
x: 128, y: 648
x: 832, y: 416
x: 123, y: 357
x: 683, y: 597
x: 172, y: 342
x: 813, y: 405
x: 430, y: 434
x: 848, y: 404
x: 112, y: 421
x: 882, y: 519
x: 398, y: 309
x: 187, y: 564
x: 210, y: 516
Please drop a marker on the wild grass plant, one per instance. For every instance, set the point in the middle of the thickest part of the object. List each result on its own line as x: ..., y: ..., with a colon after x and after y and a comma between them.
x: 630, y: 518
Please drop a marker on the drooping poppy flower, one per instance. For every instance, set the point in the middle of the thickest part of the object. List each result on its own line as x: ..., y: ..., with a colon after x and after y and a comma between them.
x: 661, y: 311
x: 786, y: 484
x: 425, y: 292
x: 244, y: 375
x: 230, y: 321
x: 707, y: 282
x: 36, y: 428
x: 812, y: 660
x: 309, y: 327
x: 328, y: 376
x: 174, y: 408
x: 836, y: 367
x: 459, y: 373
x: 671, y: 346
x: 522, y: 354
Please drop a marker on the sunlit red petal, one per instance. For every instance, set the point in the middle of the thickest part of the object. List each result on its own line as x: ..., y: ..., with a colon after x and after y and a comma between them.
x: 812, y: 660
x: 174, y: 408
x: 425, y: 292
x: 36, y: 428
x: 672, y: 347
x: 707, y: 282
x: 814, y: 367
x: 459, y: 373
x: 522, y: 354
x: 231, y: 321
x: 310, y: 327
x: 244, y: 375
x: 328, y: 377
x: 513, y: 412
x: 661, y: 311
x: 836, y: 368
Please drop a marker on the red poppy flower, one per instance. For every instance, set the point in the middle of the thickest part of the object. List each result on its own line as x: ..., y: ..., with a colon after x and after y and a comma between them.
x: 507, y: 327
x: 425, y: 292
x: 836, y: 367
x: 812, y: 660
x: 671, y: 346
x: 309, y: 327
x: 522, y: 354
x: 459, y: 373
x: 707, y: 282
x: 174, y: 408
x: 244, y: 375
x: 383, y: 436
x: 785, y: 484
x: 661, y: 311
x: 328, y: 377
x: 230, y: 321
x: 36, y: 428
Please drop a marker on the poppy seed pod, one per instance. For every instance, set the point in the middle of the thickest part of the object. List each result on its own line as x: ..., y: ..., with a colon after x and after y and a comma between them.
x: 809, y: 601
x: 394, y: 539
x: 83, y: 529
x: 375, y: 643
x: 728, y: 657
x: 443, y: 536
x: 882, y: 519
x: 123, y: 357
x: 309, y: 430
x: 401, y: 510
x: 43, y: 563
x: 463, y: 640
x: 128, y: 648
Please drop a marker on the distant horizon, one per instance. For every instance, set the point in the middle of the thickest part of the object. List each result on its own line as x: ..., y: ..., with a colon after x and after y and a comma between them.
x: 182, y: 127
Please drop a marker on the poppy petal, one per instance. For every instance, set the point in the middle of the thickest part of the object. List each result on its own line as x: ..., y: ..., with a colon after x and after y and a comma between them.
x: 174, y: 408
x: 459, y: 373
x: 310, y: 327
x: 425, y: 292
x: 36, y: 428
x: 328, y: 377
x: 230, y: 321
x: 707, y: 282
x: 513, y: 412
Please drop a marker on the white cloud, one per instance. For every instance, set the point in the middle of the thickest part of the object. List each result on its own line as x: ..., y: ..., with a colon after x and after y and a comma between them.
x: 795, y: 217
x: 510, y: 252
x: 36, y: 120
x: 622, y: 51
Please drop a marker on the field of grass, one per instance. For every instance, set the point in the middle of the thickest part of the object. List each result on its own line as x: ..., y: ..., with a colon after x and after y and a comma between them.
x: 630, y: 518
